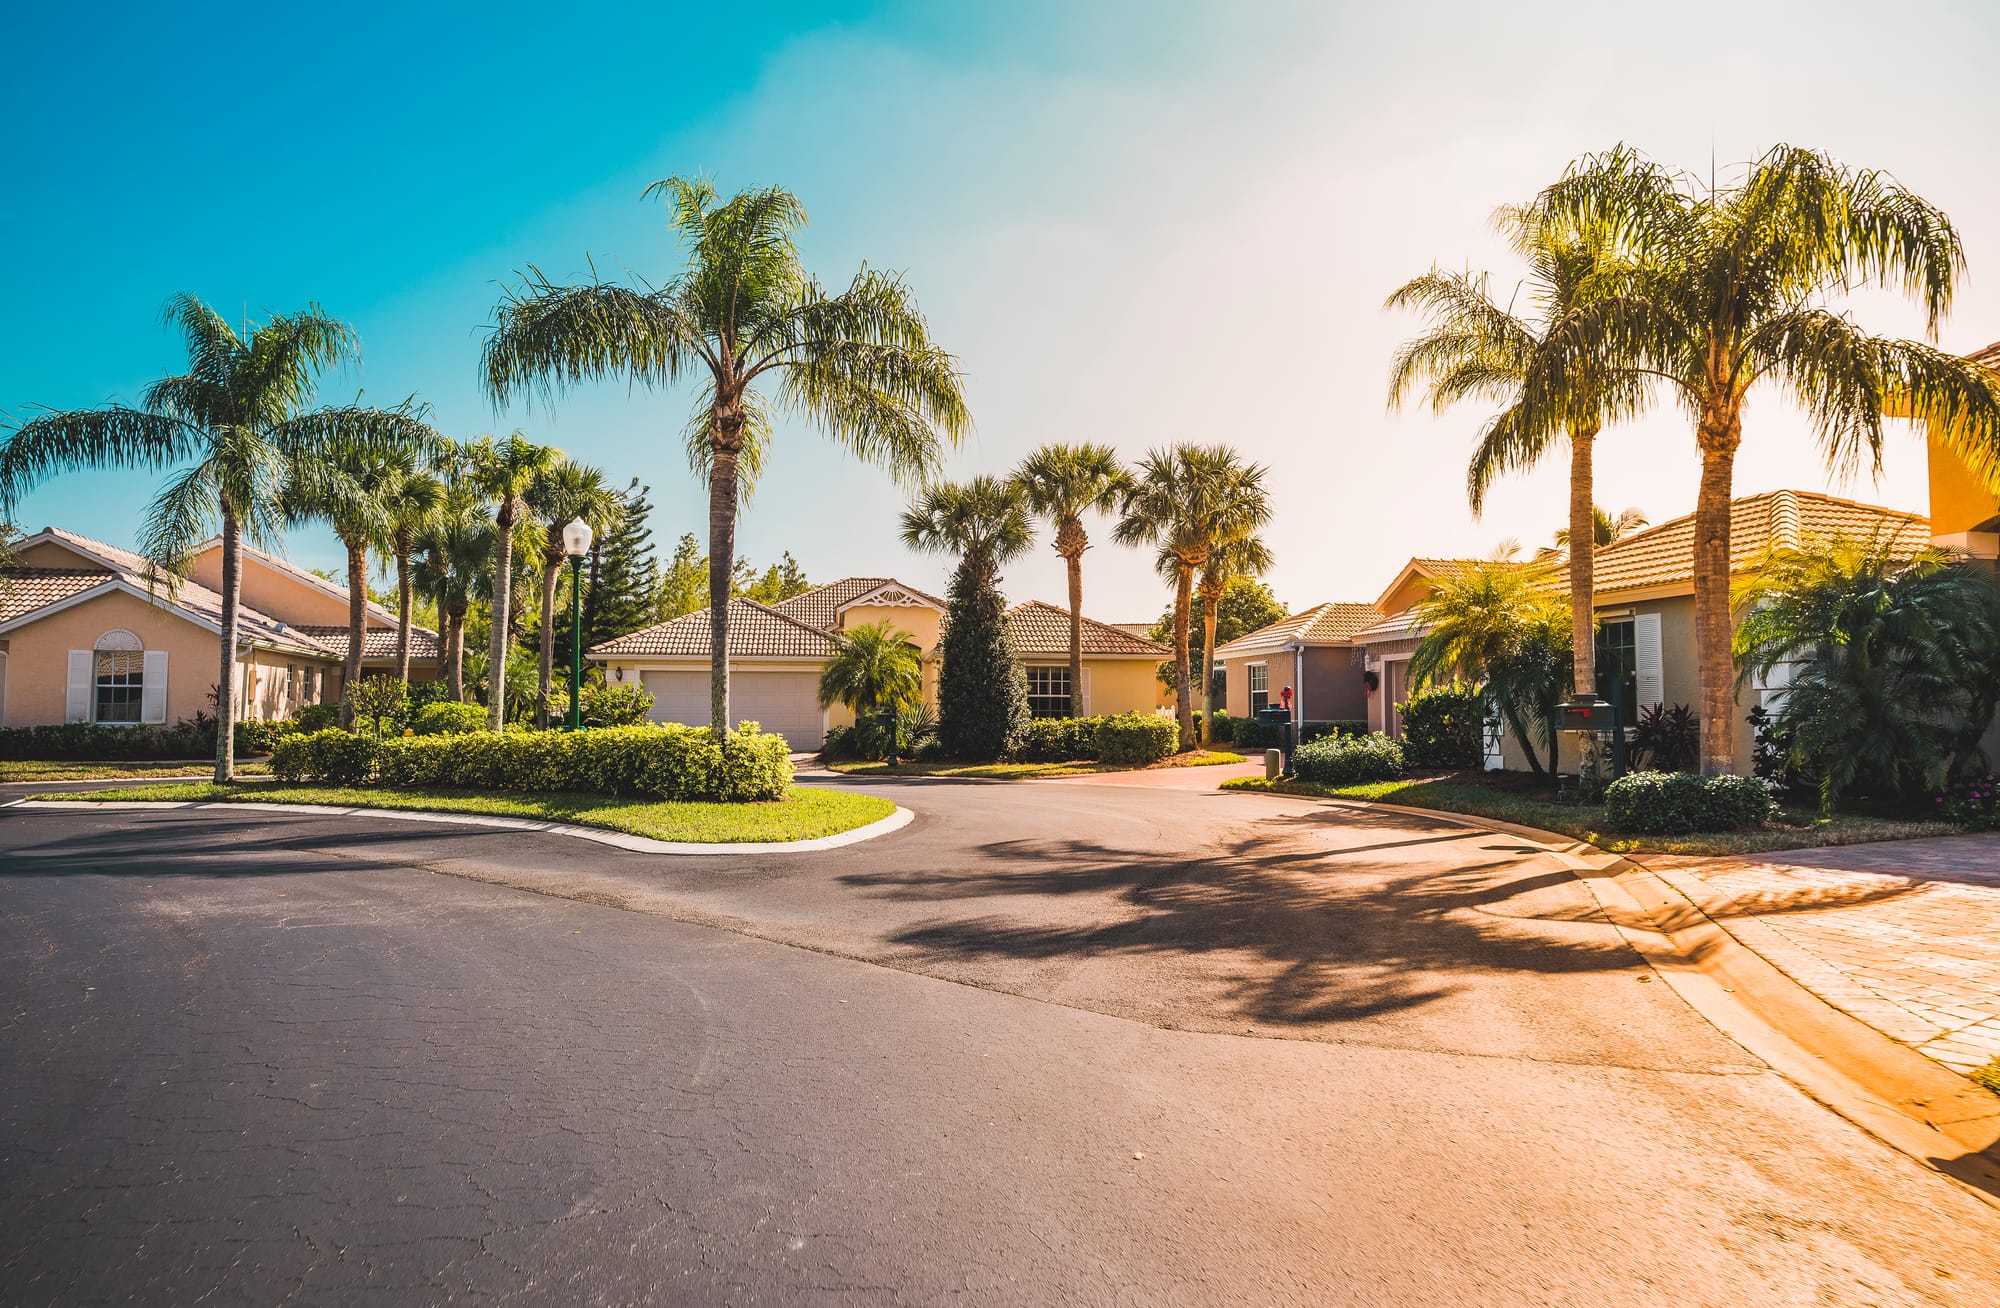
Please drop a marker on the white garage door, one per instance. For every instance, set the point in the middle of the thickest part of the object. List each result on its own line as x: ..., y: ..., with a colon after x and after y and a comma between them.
x: 783, y: 702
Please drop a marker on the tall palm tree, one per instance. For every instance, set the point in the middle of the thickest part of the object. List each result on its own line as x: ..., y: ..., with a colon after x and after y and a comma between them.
x: 873, y: 667
x: 984, y: 522
x: 504, y: 472
x: 1062, y: 483
x: 860, y: 364
x: 1186, y: 501
x: 567, y: 492
x: 1233, y: 557
x: 411, y: 499
x: 1605, y: 529
x: 238, y: 414
x: 1732, y: 290
x: 1476, y: 348
x: 458, y: 546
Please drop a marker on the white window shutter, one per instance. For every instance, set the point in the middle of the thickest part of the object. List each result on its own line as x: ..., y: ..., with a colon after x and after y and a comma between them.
x: 1083, y: 696
x: 1646, y: 660
x: 153, y: 693
x: 82, y: 663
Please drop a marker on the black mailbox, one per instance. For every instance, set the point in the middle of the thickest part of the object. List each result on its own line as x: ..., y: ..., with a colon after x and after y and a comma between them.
x: 1277, y: 717
x: 1587, y: 715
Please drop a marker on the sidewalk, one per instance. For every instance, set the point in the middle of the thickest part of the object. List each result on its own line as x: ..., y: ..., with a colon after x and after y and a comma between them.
x: 1903, y: 935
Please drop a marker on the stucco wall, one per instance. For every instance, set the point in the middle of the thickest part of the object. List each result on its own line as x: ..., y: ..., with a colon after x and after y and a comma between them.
x: 1122, y: 685
x: 279, y: 594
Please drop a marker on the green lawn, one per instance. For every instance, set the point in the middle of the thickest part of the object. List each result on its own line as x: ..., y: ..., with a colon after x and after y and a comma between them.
x: 1790, y: 829
x: 33, y: 771
x: 804, y: 813
x: 1027, y: 771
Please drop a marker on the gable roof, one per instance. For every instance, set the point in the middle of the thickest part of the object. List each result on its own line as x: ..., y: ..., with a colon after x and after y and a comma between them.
x: 1443, y: 570
x: 1990, y: 356
x: 1041, y: 630
x: 1331, y: 623
x: 755, y: 631
x: 1663, y: 556
x: 820, y: 607
x: 377, y: 643
x: 251, y: 554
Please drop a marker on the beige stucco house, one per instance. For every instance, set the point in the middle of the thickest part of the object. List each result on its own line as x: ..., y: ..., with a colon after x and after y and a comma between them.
x: 87, y: 636
x: 776, y: 652
x: 1313, y: 652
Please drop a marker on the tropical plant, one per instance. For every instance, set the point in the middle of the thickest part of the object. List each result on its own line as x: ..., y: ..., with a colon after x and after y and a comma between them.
x: 1605, y: 529
x: 1666, y: 739
x: 566, y: 492
x: 457, y: 542
x: 1732, y: 289
x: 411, y: 500
x: 1894, y: 664
x: 374, y: 701
x: 504, y: 472
x: 1186, y: 501
x: 1504, y: 627
x: 1063, y: 483
x: 1445, y: 727
x: 1231, y: 560
x: 873, y: 667
x: 237, y: 419
x: 861, y: 364
x: 1247, y: 604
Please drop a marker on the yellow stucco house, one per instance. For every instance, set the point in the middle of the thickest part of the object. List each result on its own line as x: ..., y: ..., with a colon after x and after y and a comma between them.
x: 776, y: 652
x: 85, y: 636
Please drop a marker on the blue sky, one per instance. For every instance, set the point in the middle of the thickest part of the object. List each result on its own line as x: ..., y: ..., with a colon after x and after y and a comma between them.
x: 1133, y: 222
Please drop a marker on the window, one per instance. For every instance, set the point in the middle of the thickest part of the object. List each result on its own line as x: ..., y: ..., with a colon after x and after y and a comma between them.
x: 1260, y: 688
x: 118, y: 678
x: 1048, y: 692
x: 1618, y: 667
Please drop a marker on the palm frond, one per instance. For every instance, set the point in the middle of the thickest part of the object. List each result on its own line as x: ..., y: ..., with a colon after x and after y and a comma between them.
x: 116, y: 437
x: 547, y: 338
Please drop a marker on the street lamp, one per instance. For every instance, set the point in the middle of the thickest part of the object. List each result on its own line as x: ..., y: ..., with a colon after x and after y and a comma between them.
x: 576, y: 544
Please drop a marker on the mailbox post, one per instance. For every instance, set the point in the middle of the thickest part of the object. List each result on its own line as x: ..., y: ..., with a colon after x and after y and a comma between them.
x: 1288, y: 732
x: 886, y: 719
x: 1590, y: 713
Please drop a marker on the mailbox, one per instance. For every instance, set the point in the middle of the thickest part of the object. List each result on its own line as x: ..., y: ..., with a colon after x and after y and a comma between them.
x: 1587, y: 714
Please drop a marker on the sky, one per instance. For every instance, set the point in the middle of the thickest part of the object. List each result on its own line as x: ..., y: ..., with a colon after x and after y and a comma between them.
x: 1139, y: 223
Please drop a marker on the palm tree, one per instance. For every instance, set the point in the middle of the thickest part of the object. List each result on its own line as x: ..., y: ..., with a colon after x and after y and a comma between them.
x: 984, y: 522
x: 1237, y: 556
x: 238, y: 414
x: 1062, y: 483
x: 1478, y: 349
x: 1502, y: 626
x: 1605, y: 529
x: 1731, y: 290
x: 861, y: 364
x: 411, y: 500
x: 567, y: 492
x: 874, y: 666
x: 504, y: 472
x: 457, y: 545
x: 1187, y: 501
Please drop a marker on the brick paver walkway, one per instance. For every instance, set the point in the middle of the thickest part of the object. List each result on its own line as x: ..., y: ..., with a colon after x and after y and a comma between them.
x: 1904, y: 935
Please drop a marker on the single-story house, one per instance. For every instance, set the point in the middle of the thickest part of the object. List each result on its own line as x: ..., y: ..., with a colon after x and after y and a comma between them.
x: 87, y: 636
x: 1386, y: 644
x: 1313, y: 652
x: 776, y: 652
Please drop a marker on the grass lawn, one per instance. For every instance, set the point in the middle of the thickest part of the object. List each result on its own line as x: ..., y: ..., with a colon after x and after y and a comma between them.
x: 1789, y: 829
x: 32, y: 771
x: 1028, y: 771
x: 803, y: 814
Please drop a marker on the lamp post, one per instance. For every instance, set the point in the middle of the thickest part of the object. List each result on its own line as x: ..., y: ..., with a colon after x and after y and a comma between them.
x: 576, y: 544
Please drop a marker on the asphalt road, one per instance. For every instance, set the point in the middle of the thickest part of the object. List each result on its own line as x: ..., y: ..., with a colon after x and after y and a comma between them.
x: 1049, y: 1044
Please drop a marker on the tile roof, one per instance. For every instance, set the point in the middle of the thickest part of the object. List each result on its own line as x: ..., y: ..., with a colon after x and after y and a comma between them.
x: 820, y: 606
x: 1990, y: 356
x: 1664, y: 555
x: 1041, y: 630
x: 1333, y: 623
x: 755, y: 631
x: 376, y: 642
x: 23, y: 590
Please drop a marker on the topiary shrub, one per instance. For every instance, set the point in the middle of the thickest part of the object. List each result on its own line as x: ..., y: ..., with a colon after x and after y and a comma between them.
x: 982, y: 692
x: 1058, y: 740
x: 447, y: 718
x: 331, y: 756
x: 1136, y: 739
x: 1678, y: 803
x: 1445, y: 728
x: 1349, y: 760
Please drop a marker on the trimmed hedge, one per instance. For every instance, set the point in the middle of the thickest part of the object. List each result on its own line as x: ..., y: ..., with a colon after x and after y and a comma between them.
x: 316, y: 717
x: 1679, y: 803
x: 1349, y: 760
x: 1136, y: 738
x: 1249, y: 733
x: 89, y: 742
x: 1445, y: 728
x: 1058, y: 740
x: 448, y: 718
x: 673, y: 762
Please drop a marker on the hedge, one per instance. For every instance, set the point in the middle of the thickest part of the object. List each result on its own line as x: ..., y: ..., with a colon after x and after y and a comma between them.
x: 1058, y: 740
x: 448, y: 718
x: 673, y: 762
x: 1678, y: 803
x: 89, y: 742
x: 1250, y: 733
x: 1136, y: 738
x: 1348, y: 760
x: 1445, y: 728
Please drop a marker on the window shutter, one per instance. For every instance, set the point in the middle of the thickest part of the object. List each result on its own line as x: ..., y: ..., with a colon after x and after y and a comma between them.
x: 153, y: 692
x: 1646, y: 660
x: 77, y: 706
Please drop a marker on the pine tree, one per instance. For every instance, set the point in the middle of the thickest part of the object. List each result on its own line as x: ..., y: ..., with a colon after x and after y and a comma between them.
x: 683, y: 582
x: 622, y: 573
x: 982, y: 693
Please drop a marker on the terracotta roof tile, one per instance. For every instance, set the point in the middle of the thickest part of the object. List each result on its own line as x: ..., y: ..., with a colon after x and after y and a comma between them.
x: 755, y: 631
x: 1990, y: 356
x: 1664, y: 555
x: 820, y: 606
x: 376, y: 642
x: 1041, y: 630
x: 1332, y: 623
x: 23, y: 590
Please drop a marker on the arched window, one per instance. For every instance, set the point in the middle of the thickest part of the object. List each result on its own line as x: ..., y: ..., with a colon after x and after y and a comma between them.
x: 120, y: 676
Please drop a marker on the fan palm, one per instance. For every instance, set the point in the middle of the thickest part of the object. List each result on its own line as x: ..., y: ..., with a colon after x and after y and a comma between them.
x: 860, y: 364
x: 1187, y: 502
x: 1062, y: 483
x: 1605, y: 529
x: 411, y: 500
x: 567, y: 492
x: 1238, y: 556
x: 1731, y: 290
x: 504, y: 472
x: 1478, y: 349
x: 875, y: 666
x: 238, y: 414
x: 984, y: 522
x: 1502, y: 626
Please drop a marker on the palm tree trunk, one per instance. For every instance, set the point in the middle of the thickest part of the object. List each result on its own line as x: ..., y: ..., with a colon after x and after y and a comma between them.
x: 1210, y: 598
x: 454, y: 651
x: 503, y: 591
x: 721, y: 557
x: 357, y: 599
x: 551, y: 571
x: 405, y: 604
x: 1075, y: 564
x: 225, y: 699
x: 1582, y: 557
x: 1718, y: 435
x: 1183, y: 702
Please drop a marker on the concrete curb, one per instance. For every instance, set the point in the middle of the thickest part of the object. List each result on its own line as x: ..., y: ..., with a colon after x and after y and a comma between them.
x: 897, y: 820
x: 1910, y: 1102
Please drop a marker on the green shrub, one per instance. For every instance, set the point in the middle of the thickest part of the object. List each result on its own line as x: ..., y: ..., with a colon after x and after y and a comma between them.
x: 1339, y: 727
x: 1973, y: 804
x: 1445, y: 728
x: 982, y: 692
x: 1058, y: 740
x: 316, y: 717
x: 380, y: 704
x: 616, y: 706
x: 1349, y: 760
x: 447, y: 718
x: 90, y: 743
x: 257, y: 737
x: 1136, y: 738
x: 331, y: 756
x: 1222, y: 728
x: 1678, y: 803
